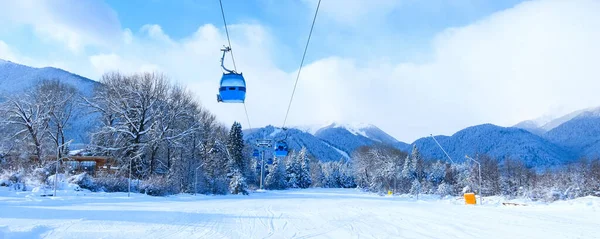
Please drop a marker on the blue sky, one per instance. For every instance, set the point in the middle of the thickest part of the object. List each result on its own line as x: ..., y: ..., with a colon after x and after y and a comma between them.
x: 409, y: 24
x: 410, y: 67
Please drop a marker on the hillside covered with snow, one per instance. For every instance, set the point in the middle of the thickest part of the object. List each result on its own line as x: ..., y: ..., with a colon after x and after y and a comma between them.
x: 16, y: 79
x: 498, y: 142
x: 326, y: 142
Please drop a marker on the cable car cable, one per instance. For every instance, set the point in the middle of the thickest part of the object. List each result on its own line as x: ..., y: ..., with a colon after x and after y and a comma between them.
x: 281, y: 148
x: 301, y: 64
x: 247, y: 118
x: 227, y: 32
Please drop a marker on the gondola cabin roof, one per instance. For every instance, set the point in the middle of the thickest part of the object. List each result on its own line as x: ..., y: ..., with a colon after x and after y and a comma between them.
x: 233, y: 79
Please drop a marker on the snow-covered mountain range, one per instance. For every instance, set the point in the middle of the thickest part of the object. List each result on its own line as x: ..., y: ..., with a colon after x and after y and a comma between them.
x: 545, y: 141
x: 15, y: 78
x: 552, y: 143
x: 327, y: 142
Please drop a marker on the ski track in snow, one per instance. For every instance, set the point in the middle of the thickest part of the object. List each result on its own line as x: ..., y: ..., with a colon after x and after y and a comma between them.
x: 311, y: 213
x: 344, y: 154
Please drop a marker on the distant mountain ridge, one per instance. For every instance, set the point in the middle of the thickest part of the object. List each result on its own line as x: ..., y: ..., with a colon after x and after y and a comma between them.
x: 498, y: 142
x: 581, y: 134
x: 327, y: 142
x: 576, y: 136
x: 545, y: 124
x: 16, y: 78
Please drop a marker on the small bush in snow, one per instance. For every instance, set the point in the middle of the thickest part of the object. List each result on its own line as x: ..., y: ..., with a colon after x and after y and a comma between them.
x: 83, y: 180
x: 111, y: 183
x: 157, y: 186
x: 237, y: 184
x: 13, y: 179
x: 39, y: 176
x: 444, y: 190
x: 415, y: 188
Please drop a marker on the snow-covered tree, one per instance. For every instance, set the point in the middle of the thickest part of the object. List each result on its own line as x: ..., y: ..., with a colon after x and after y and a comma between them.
x: 436, y: 172
x: 415, y: 188
x: 444, y: 189
x: 132, y: 103
x: 413, y: 165
x: 38, y: 116
x: 304, y: 178
x: 292, y: 171
x: 60, y: 100
x: 377, y: 168
x: 408, y: 170
x: 237, y: 185
x: 316, y: 173
x: 276, y: 178
x: 235, y: 144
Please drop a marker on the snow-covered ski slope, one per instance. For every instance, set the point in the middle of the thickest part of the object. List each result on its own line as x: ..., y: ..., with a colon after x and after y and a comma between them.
x: 313, y: 213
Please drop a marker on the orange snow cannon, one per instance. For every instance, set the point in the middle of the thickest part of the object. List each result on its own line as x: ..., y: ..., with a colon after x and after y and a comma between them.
x: 470, y: 198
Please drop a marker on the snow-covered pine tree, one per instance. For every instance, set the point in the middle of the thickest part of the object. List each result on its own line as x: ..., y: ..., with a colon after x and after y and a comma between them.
x: 436, y: 173
x: 331, y: 174
x: 304, y: 179
x: 216, y: 170
x: 316, y: 172
x: 463, y: 177
x: 415, y: 188
x: 346, y: 175
x: 237, y: 165
x: 237, y: 184
x: 275, y: 179
x: 416, y: 163
x: 235, y: 145
x: 407, y: 170
x: 292, y: 171
x: 444, y: 189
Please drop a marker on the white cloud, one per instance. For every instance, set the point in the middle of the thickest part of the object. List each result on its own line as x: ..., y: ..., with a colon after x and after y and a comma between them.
x: 127, y: 36
x: 106, y: 62
x: 156, y: 33
x: 6, y: 53
x: 74, y: 23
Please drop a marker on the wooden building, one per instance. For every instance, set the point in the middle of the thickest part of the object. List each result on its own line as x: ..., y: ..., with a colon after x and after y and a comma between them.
x: 90, y: 164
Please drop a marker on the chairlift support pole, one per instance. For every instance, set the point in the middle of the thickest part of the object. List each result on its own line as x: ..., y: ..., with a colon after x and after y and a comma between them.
x: 262, y: 143
x: 262, y: 168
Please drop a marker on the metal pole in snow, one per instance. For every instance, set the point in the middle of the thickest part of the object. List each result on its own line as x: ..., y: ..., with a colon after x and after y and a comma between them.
x: 57, y: 163
x: 395, y: 177
x: 129, y: 183
x: 196, y: 179
x: 480, y: 195
x: 56, y: 171
x: 262, y: 167
x: 479, y: 189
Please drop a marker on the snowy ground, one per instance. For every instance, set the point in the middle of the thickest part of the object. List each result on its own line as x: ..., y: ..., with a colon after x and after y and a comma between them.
x: 314, y: 213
